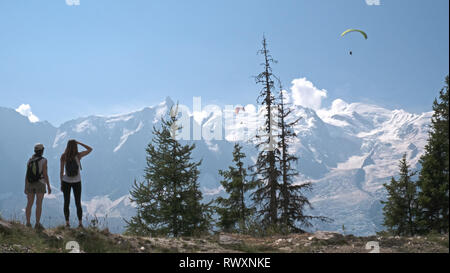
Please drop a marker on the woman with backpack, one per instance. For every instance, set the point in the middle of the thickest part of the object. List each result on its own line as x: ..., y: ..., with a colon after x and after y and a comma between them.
x: 71, y: 178
x: 35, y: 181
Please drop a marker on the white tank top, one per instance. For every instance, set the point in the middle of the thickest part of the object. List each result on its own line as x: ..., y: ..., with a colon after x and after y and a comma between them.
x: 72, y: 179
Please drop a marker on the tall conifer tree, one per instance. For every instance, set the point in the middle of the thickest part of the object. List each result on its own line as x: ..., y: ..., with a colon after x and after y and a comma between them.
x: 400, y: 210
x: 169, y: 200
x: 434, y: 175
x: 233, y: 211
x: 292, y: 201
x: 265, y: 171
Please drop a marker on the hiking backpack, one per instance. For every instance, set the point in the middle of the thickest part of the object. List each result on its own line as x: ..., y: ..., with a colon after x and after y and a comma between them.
x: 72, y: 167
x: 34, y: 174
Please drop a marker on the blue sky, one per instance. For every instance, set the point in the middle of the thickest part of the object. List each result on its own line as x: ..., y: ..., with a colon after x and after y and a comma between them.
x: 111, y: 56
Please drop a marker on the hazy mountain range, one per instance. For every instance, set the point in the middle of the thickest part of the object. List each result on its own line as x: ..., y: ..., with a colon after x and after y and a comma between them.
x: 348, y: 151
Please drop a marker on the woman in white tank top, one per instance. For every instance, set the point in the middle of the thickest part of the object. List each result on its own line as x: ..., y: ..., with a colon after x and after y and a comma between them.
x: 71, y: 178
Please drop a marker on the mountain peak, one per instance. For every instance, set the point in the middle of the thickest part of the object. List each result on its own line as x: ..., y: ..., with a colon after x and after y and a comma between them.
x: 168, y: 102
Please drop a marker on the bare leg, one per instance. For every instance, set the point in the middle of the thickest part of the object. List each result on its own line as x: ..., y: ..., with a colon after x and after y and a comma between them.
x: 40, y: 197
x: 30, y: 198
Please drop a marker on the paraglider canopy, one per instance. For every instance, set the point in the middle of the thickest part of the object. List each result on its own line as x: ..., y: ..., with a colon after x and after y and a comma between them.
x: 354, y: 30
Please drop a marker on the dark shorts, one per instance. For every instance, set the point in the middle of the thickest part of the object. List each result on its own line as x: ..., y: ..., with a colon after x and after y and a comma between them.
x: 37, y: 187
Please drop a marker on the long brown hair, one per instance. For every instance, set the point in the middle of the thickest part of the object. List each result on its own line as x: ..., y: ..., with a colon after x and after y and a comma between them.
x: 71, y: 150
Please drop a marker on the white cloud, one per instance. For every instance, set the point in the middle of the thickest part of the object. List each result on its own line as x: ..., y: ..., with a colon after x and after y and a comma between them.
x: 338, y: 105
x: 25, y: 110
x: 373, y: 2
x: 304, y: 93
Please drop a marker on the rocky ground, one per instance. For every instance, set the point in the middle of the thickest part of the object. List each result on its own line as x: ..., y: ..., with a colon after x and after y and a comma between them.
x: 14, y: 237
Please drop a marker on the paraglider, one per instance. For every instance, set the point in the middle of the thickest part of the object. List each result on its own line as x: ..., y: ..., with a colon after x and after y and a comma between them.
x: 354, y: 30
x: 237, y: 109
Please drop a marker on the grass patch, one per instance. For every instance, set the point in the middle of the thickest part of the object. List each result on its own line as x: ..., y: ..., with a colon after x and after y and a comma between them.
x: 167, y: 250
x: 93, y: 241
x: 23, y: 239
x: 336, y: 241
x: 439, y: 239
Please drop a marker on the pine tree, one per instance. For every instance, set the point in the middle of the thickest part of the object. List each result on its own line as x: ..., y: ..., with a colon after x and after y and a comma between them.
x: 233, y: 212
x: 292, y: 201
x: 400, y: 210
x: 168, y: 200
x: 265, y: 171
x: 434, y: 175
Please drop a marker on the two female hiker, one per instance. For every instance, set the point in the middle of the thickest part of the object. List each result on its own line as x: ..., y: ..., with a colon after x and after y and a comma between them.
x: 37, y: 179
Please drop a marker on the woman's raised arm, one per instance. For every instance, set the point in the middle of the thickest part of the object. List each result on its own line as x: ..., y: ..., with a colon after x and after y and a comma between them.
x: 84, y: 153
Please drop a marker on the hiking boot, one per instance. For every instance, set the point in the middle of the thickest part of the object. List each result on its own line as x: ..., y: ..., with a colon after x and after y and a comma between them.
x: 28, y: 225
x: 38, y: 226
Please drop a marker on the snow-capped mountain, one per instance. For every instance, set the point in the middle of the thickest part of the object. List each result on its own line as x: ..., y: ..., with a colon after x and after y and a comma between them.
x: 348, y: 151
